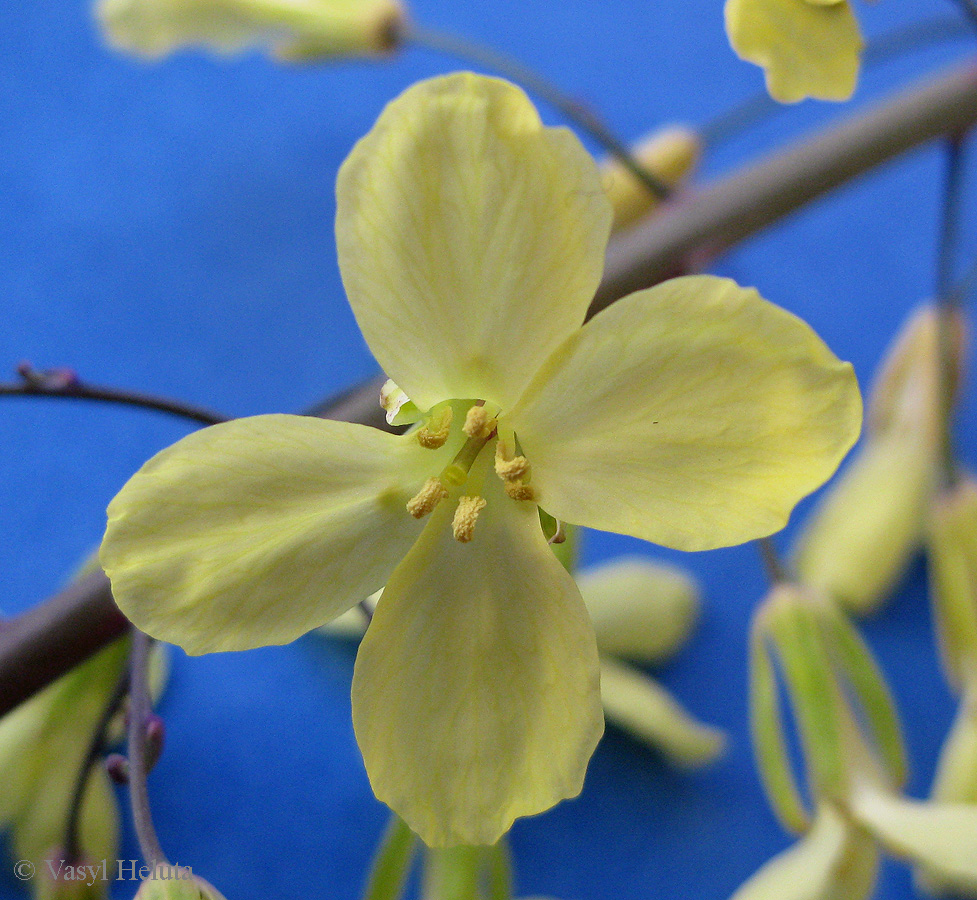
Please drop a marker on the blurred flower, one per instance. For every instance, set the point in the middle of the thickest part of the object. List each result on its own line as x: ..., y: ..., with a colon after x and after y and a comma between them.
x: 670, y: 154
x: 807, y: 48
x: 644, y: 612
x: 695, y: 414
x: 293, y: 29
x: 870, y: 522
x: 854, y: 762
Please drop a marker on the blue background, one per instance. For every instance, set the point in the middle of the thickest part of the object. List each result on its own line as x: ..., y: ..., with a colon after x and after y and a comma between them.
x: 169, y: 228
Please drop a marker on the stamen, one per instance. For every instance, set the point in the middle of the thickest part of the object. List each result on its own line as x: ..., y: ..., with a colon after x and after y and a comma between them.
x: 427, y: 498
x: 518, y: 491
x: 513, y: 470
x: 479, y: 424
x: 508, y: 467
x: 435, y: 431
x: 466, y: 515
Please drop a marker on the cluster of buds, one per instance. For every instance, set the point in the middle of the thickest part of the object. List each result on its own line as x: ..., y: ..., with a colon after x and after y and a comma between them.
x: 854, y: 762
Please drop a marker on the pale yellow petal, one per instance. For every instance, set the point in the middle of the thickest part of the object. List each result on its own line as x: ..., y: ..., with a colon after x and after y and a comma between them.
x: 694, y: 415
x: 806, y: 49
x: 293, y: 28
x: 941, y: 837
x: 635, y: 702
x: 256, y: 531
x: 820, y: 866
x: 641, y: 610
x: 864, y: 532
x: 476, y: 690
x: 471, y: 238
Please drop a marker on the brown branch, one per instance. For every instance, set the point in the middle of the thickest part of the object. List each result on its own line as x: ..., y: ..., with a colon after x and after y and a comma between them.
x: 63, y: 631
x: 46, y: 642
x: 697, y: 228
x: 66, y: 385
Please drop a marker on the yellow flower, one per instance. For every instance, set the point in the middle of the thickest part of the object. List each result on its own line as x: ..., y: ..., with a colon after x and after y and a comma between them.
x: 294, y: 29
x: 695, y: 414
x: 807, y: 48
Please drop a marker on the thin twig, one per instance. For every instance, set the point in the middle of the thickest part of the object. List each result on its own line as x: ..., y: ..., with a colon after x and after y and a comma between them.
x: 95, y: 752
x: 140, y: 707
x: 969, y: 9
x: 772, y: 563
x: 65, y: 384
x: 947, y: 295
x: 701, y: 225
x: 580, y: 115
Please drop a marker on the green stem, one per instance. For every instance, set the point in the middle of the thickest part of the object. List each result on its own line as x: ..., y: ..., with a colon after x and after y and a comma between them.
x: 95, y: 751
x: 139, y: 710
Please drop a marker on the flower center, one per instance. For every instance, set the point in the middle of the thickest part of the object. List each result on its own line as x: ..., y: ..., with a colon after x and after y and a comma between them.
x: 481, y: 429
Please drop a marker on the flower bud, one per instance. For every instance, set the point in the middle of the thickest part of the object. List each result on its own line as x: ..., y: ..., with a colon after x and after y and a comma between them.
x: 641, y: 610
x: 293, y: 29
x: 907, y: 391
x: 176, y: 883
x: 670, y: 154
x: 870, y: 522
x: 956, y: 772
x: 866, y: 528
x: 840, y: 702
x: 638, y: 704
x: 953, y: 579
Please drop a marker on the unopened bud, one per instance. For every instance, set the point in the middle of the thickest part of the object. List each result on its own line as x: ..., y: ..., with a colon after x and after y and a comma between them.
x: 670, y: 154
x: 176, y: 883
x: 292, y: 29
x: 641, y: 610
x: 867, y: 526
x: 908, y: 387
x: 952, y: 543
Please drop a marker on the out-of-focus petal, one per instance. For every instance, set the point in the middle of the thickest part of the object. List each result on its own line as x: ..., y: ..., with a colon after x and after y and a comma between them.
x: 641, y: 610
x: 805, y: 49
x: 635, y: 702
x: 306, y: 29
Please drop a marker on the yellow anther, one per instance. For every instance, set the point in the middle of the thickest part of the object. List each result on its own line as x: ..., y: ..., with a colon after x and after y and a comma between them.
x: 479, y: 424
x: 518, y: 491
x: 514, y: 469
x: 427, y: 498
x: 466, y: 515
x: 434, y: 432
